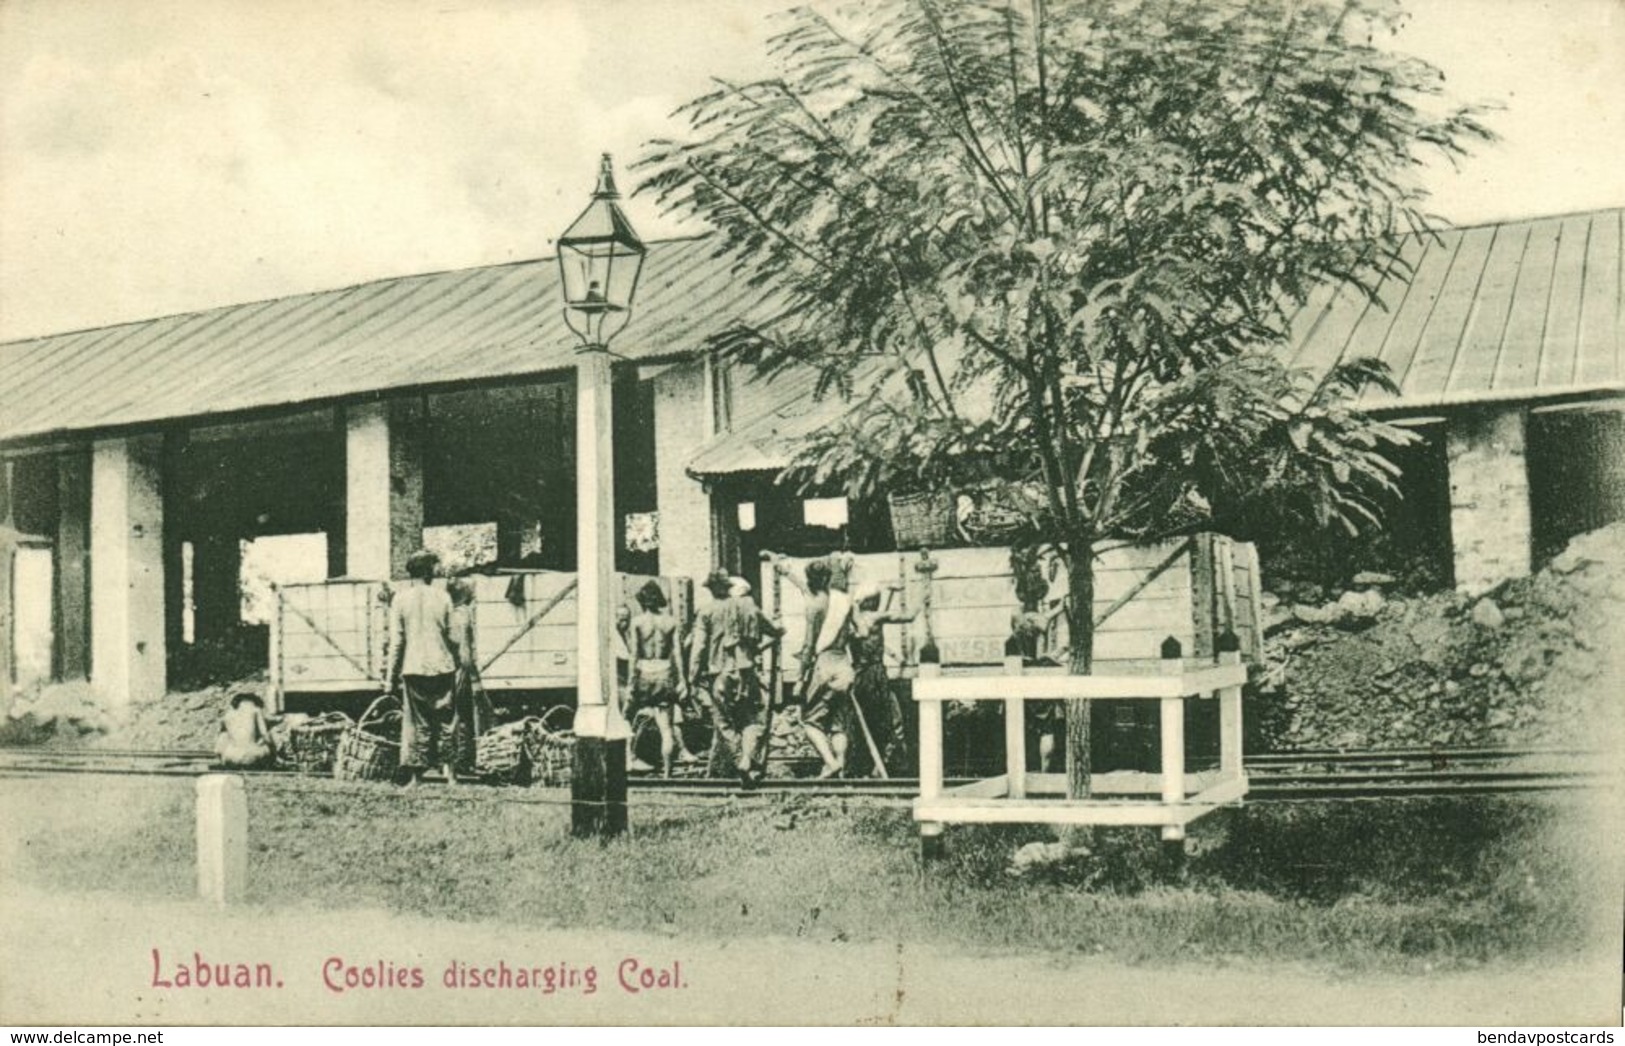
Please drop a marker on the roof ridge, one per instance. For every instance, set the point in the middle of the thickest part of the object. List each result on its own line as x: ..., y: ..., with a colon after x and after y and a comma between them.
x: 1526, y: 218
x: 342, y: 289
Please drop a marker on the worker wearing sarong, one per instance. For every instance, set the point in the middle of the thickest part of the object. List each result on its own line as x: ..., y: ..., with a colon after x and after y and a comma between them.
x: 423, y: 661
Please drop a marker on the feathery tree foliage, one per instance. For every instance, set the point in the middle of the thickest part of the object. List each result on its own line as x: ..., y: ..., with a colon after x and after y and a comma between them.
x: 1062, y: 243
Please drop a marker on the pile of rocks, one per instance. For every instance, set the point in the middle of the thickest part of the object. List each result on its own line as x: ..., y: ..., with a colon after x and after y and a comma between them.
x: 1534, y: 661
x: 187, y: 719
x: 55, y: 711
x: 74, y: 714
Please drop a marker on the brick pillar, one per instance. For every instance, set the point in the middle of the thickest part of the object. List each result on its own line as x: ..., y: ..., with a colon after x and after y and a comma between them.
x: 127, y: 569
x: 383, y: 455
x: 1490, y: 531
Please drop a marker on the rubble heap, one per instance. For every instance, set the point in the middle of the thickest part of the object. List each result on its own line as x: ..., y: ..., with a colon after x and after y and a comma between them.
x: 1535, y: 661
x: 72, y: 714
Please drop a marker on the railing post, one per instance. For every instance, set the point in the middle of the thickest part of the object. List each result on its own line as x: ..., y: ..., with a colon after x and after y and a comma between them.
x: 930, y: 738
x: 1015, y: 733
x: 930, y: 759
x: 1230, y: 743
x: 1173, y: 741
x: 222, y: 838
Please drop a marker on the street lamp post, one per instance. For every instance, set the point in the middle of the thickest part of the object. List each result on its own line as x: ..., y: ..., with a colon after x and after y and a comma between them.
x: 599, y: 260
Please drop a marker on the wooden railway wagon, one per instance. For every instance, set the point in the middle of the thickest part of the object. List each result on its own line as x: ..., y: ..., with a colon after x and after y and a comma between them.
x: 331, y: 637
x: 1193, y: 589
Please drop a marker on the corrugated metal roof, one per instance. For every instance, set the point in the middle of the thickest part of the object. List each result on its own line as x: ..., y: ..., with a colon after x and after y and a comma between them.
x: 1523, y: 310
x: 491, y: 322
x: 1520, y: 310
x: 1517, y: 310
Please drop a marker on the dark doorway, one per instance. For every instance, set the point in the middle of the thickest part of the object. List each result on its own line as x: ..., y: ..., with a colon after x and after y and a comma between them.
x: 225, y: 488
x: 1576, y: 475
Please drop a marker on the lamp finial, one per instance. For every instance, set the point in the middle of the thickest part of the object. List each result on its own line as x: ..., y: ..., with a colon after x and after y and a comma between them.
x: 606, y: 181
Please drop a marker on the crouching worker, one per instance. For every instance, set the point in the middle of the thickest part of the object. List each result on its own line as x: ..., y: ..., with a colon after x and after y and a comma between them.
x: 245, y: 741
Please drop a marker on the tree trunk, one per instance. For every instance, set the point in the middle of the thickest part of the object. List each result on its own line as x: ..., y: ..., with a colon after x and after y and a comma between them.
x: 1081, y: 617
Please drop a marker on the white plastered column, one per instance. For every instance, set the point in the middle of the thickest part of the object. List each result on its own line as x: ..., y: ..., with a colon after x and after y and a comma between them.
x: 128, y: 656
x: 383, y: 488
x: 682, y: 423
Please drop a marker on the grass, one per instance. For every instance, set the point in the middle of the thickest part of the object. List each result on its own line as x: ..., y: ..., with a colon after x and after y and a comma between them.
x: 1436, y: 883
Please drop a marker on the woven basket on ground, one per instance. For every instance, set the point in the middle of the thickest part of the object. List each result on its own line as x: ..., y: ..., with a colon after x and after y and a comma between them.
x: 313, y: 744
x: 924, y: 520
x: 365, y: 752
x: 503, y: 753
x: 552, y: 748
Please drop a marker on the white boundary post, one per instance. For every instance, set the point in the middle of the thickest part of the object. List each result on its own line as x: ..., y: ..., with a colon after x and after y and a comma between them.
x: 222, y: 839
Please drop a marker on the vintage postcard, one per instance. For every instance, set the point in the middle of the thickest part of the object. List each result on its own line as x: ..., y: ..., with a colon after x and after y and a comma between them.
x: 730, y: 512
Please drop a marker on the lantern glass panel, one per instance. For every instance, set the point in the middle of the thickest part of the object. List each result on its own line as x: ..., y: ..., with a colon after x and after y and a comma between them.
x: 599, y: 275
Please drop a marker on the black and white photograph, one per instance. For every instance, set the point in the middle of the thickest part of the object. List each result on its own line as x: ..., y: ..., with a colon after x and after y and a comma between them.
x: 534, y: 513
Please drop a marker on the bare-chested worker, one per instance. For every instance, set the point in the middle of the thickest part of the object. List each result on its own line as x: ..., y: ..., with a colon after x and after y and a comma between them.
x: 658, y: 678
x: 244, y: 740
x: 826, y: 662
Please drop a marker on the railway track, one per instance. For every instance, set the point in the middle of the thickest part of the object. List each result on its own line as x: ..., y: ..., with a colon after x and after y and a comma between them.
x: 1276, y: 776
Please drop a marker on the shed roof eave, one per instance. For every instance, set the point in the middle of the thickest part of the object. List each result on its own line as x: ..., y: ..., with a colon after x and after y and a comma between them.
x: 1504, y: 398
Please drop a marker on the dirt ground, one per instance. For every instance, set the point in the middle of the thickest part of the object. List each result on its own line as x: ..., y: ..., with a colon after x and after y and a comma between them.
x: 1482, y: 912
x: 88, y: 959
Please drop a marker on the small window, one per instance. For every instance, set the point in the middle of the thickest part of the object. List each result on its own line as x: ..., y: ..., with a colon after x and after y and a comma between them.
x: 720, y: 378
x: 747, y: 515
x: 824, y: 512
x: 188, y: 593
x: 277, y: 559
x: 463, y: 546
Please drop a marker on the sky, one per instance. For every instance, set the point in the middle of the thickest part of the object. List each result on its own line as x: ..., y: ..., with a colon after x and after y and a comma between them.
x: 162, y: 156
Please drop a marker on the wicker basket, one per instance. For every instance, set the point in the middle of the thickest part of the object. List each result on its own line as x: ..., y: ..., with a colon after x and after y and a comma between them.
x: 923, y: 520
x: 552, y: 748
x: 364, y: 753
x: 312, y: 745
x: 502, y: 754
x: 998, y: 513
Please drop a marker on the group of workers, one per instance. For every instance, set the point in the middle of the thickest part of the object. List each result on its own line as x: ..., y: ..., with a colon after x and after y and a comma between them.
x: 431, y: 664
x: 843, y: 686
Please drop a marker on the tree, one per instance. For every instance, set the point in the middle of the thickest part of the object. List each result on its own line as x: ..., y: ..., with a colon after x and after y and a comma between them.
x: 1061, y: 245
